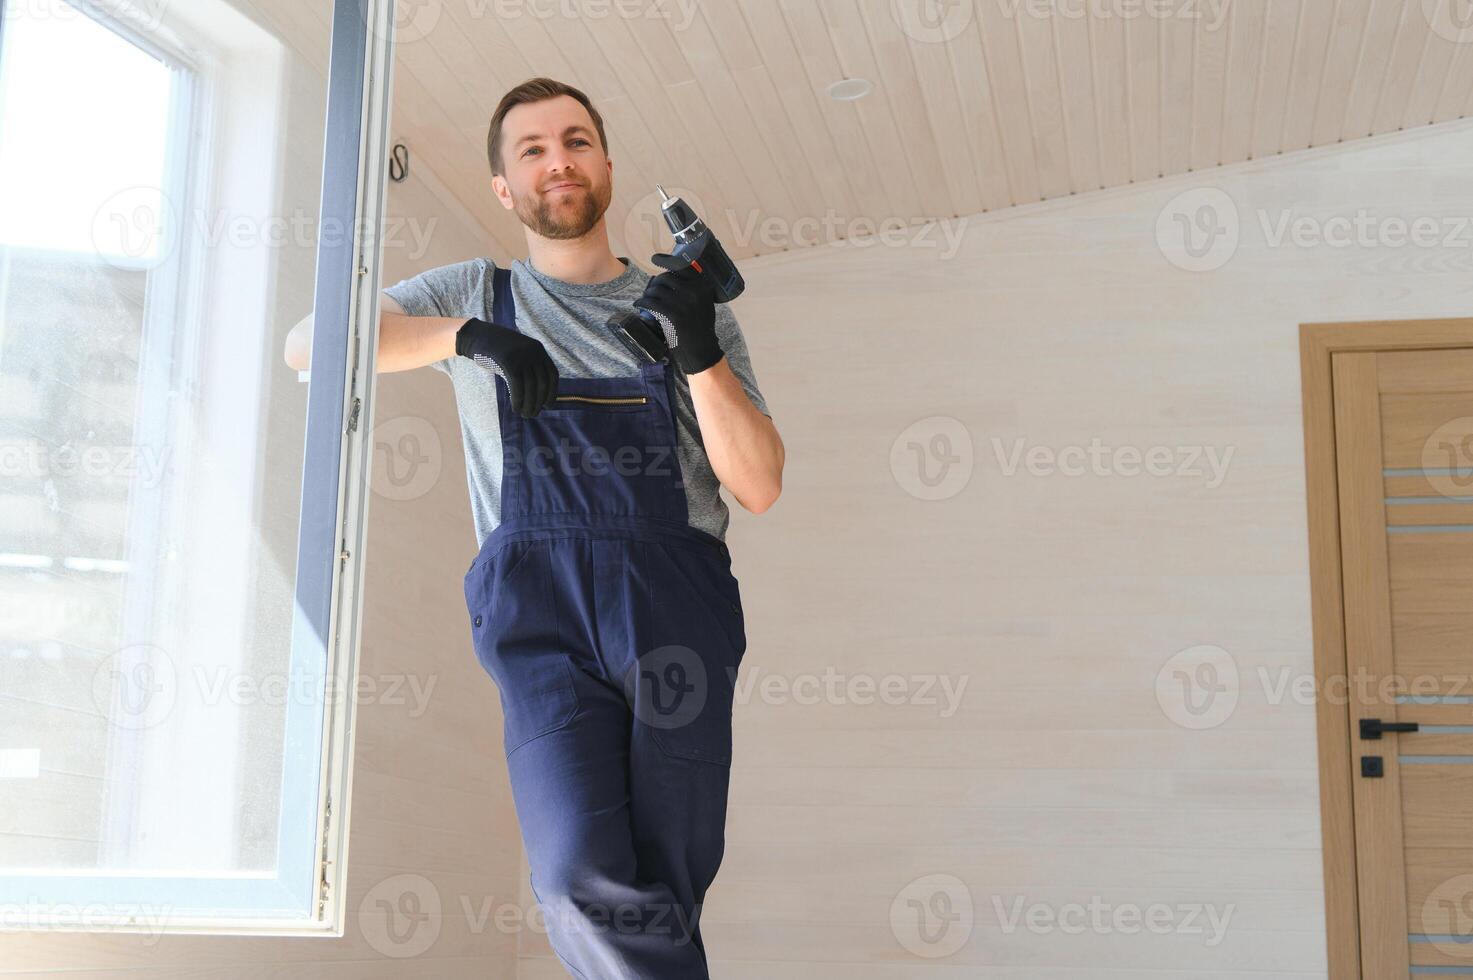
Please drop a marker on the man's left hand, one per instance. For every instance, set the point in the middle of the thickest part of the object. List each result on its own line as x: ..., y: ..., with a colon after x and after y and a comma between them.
x: 685, y: 301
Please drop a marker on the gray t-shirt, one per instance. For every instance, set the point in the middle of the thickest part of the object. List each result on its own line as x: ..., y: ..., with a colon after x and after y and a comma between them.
x: 568, y: 318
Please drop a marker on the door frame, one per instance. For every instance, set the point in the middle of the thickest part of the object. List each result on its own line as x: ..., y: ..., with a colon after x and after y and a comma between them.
x: 1318, y: 343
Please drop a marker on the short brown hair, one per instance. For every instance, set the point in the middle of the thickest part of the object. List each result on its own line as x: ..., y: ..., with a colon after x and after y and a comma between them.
x: 534, y: 90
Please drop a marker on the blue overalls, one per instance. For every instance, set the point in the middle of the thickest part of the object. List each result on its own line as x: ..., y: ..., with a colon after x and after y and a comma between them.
x: 613, y: 630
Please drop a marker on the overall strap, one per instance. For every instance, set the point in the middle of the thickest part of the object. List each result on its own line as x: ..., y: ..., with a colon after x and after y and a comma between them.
x: 503, y: 304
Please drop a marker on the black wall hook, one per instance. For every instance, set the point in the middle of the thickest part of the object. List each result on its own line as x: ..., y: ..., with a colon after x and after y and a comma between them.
x: 398, y: 163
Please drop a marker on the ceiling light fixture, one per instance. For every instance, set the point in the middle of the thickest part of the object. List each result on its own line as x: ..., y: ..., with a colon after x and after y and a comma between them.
x: 849, y: 89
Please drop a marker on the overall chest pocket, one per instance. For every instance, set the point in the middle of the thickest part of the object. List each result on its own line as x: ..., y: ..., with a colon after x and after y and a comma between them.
x: 517, y: 639
x: 598, y: 454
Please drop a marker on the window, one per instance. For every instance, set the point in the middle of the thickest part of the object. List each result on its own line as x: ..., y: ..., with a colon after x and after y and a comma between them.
x: 163, y: 715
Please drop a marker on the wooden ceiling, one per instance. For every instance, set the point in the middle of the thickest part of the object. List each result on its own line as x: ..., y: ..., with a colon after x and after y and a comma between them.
x: 983, y: 105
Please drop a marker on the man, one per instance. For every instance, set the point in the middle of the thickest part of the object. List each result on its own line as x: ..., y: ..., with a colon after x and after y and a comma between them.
x: 602, y: 601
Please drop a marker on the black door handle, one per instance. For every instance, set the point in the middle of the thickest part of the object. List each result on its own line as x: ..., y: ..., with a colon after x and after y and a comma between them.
x: 1374, y: 727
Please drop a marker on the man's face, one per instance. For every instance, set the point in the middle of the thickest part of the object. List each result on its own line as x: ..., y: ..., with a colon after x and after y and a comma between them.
x: 557, y: 176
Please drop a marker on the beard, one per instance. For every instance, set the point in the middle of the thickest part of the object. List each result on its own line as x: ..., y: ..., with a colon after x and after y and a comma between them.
x: 551, y: 216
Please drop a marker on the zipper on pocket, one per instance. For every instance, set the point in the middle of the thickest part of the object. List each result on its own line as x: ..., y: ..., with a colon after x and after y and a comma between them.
x: 637, y: 400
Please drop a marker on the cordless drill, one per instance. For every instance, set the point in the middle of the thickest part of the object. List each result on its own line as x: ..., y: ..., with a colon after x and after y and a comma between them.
x: 695, y: 247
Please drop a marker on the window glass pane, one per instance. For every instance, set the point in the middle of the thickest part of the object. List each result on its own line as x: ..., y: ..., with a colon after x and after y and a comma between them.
x: 154, y: 249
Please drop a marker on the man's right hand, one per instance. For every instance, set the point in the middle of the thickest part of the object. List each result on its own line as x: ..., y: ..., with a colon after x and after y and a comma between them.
x: 531, y: 377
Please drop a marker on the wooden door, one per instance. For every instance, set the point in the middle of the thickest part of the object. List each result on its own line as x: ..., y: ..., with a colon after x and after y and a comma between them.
x: 1404, y: 466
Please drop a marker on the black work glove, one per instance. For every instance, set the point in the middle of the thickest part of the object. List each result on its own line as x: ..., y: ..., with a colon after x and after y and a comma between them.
x: 531, y: 377
x: 685, y: 302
